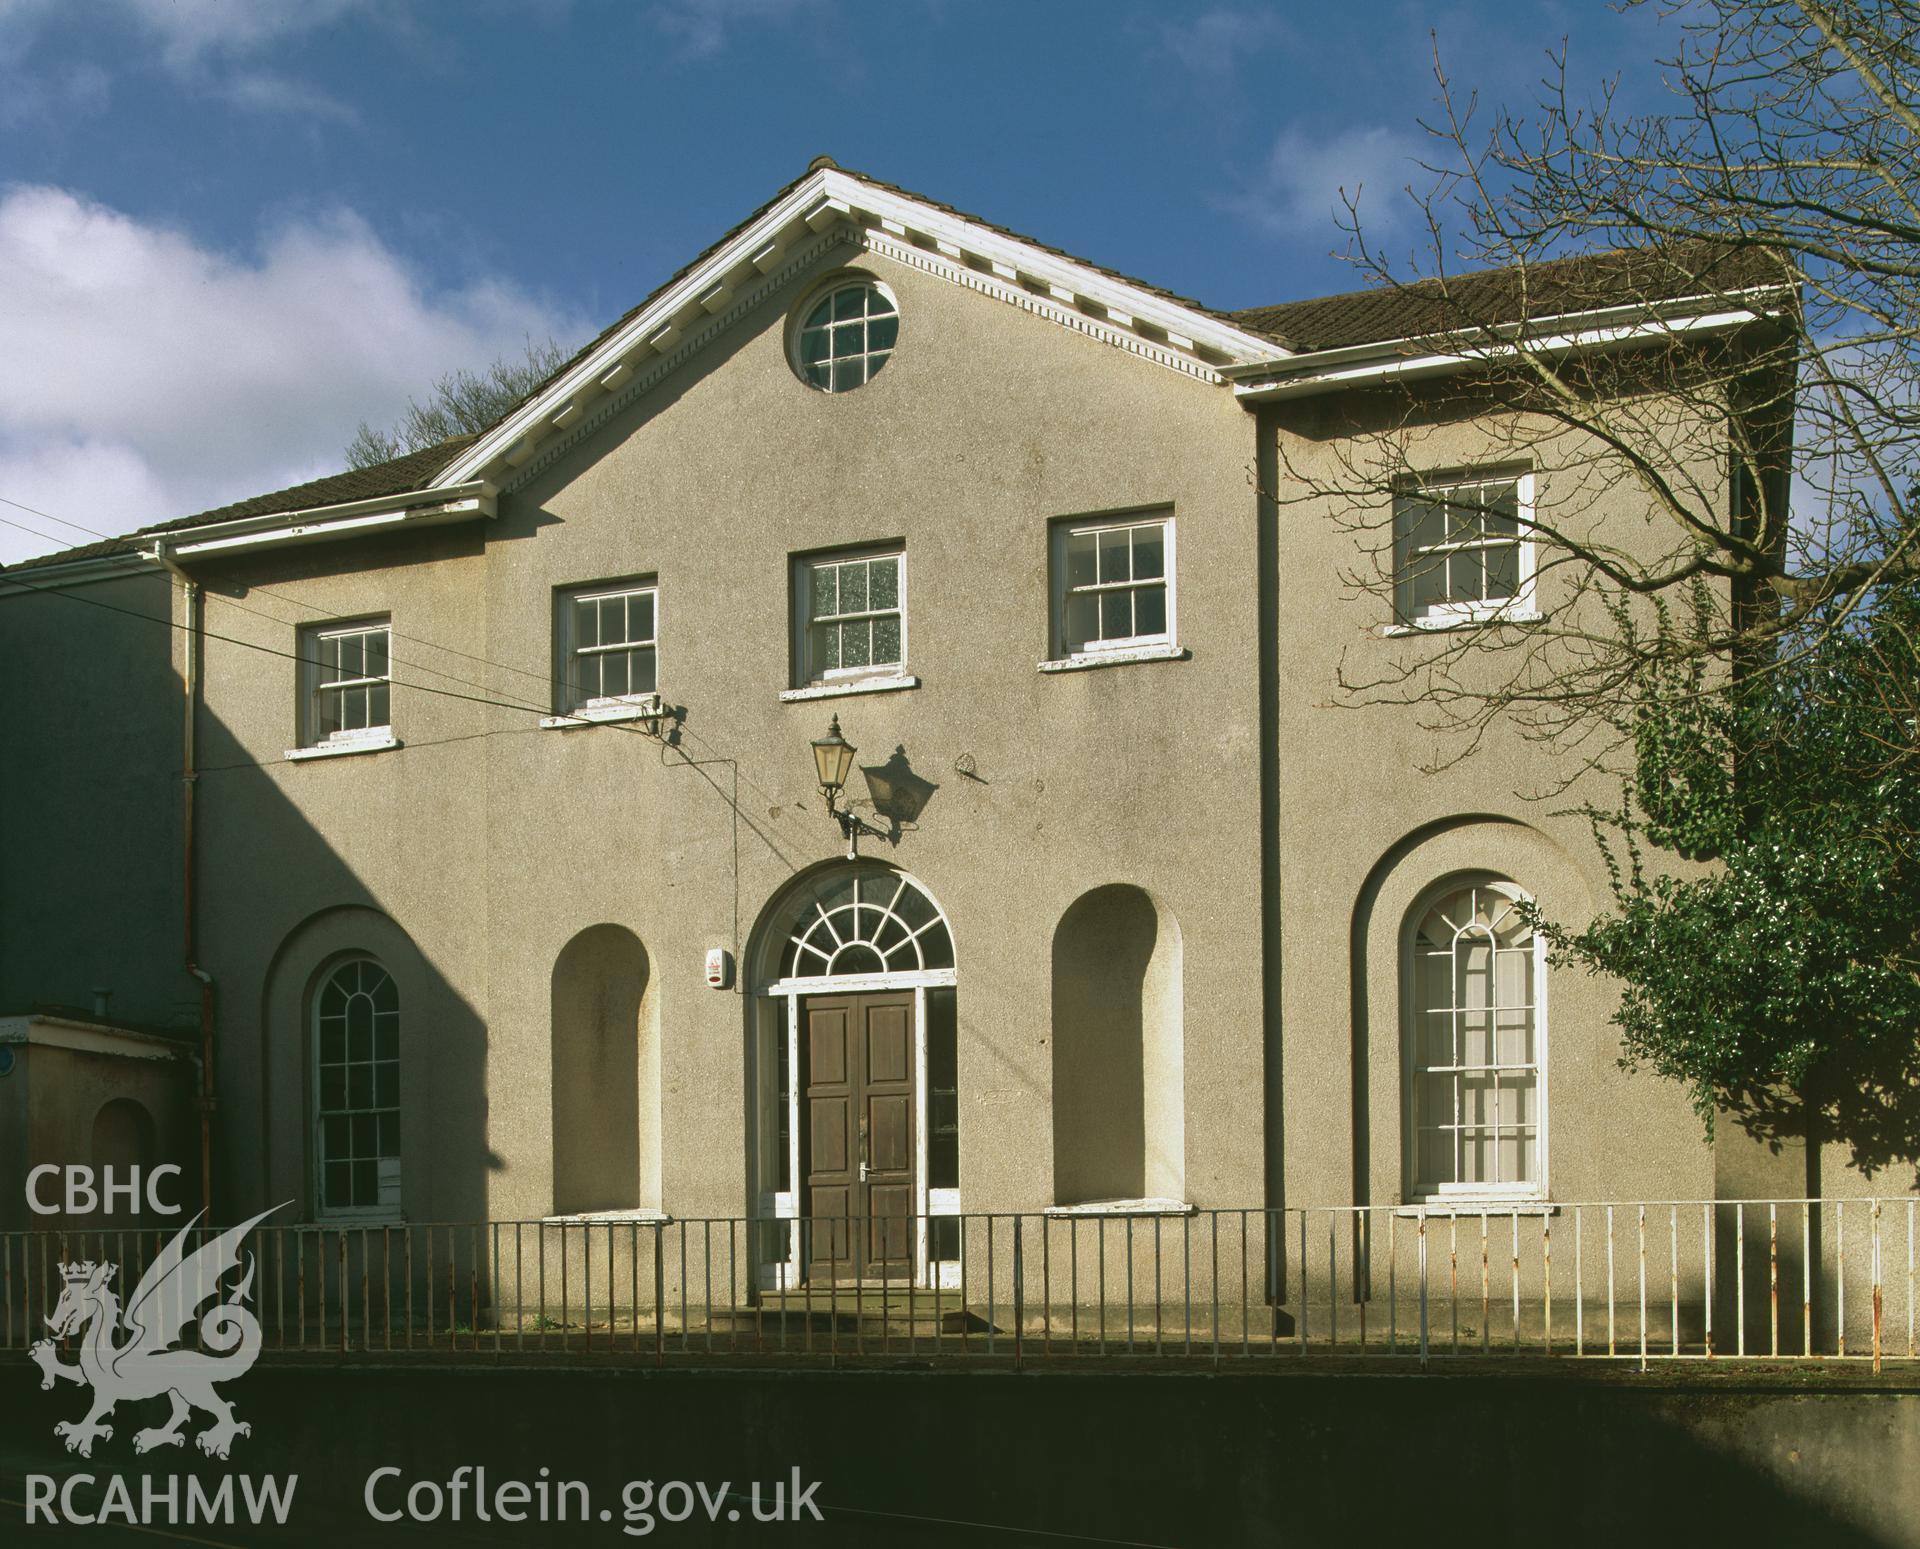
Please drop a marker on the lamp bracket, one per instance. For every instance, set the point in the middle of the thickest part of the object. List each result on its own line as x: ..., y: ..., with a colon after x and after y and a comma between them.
x: 853, y: 826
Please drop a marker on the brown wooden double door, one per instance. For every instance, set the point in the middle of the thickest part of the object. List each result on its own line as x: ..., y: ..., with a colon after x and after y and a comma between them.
x: 857, y: 1132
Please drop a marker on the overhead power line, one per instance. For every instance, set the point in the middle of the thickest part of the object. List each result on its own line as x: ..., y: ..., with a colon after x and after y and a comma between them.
x: 545, y: 678
x: 732, y: 800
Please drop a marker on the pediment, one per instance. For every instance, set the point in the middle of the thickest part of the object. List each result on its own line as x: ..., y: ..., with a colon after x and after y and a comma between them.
x: 830, y: 209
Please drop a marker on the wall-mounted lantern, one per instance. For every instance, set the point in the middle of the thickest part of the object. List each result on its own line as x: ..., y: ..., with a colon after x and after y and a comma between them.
x: 897, y: 793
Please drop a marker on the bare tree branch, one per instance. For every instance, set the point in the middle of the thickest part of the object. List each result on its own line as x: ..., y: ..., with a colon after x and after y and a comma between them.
x: 459, y: 403
x: 1772, y: 463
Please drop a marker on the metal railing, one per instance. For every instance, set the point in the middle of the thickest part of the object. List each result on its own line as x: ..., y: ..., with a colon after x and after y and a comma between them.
x: 1635, y: 1281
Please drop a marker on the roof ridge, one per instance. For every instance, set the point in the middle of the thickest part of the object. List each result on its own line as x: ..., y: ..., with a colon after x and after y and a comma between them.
x: 1413, y: 308
x: 400, y: 475
x: 323, y: 490
x: 1384, y: 284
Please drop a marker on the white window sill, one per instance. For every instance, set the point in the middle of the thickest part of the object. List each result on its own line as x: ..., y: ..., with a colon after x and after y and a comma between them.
x: 1489, y: 1205
x: 885, y: 685
x: 607, y: 1217
x: 343, y: 749
x: 1131, y: 653
x: 600, y: 715
x: 1123, y: 1207
x: 341, y: 1220
x: 1470, y: 620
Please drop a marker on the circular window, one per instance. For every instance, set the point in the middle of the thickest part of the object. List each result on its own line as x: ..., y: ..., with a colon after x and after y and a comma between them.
x: 847, y: 336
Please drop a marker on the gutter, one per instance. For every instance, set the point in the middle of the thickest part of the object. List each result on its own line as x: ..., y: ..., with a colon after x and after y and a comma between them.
x: 420, y: 508
x: 1412, y: 359
x: 276, y: 529
x: 190, y: 698
x: 30, y: 578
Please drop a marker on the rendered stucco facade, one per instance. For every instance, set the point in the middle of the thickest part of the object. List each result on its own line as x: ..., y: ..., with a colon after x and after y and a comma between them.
x: 493, y: 853
x: 1279, y: 841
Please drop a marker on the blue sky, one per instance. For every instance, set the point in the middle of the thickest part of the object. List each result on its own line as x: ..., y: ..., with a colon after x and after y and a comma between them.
x: 232, y: 229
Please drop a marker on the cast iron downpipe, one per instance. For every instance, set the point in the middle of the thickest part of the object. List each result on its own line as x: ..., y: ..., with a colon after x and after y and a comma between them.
x: 189, y: 779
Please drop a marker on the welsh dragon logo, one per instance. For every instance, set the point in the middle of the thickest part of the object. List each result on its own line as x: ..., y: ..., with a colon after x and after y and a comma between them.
x: 146, y: 1364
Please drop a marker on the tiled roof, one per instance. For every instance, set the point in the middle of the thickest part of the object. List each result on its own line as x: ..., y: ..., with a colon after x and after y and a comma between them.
x: 1550, y: 288
x: 414, y: 470
x: 400, y: 476
x: 100, y: 550
x: 1577, y: 284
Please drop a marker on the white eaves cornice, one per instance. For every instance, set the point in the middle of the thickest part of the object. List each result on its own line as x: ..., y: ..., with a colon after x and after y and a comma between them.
x: 431, y: 507
x: 821, y: 201
x: 1155, y: 316
x: 1411, y: 359
x: 420, y: 508
x: 64, y: 574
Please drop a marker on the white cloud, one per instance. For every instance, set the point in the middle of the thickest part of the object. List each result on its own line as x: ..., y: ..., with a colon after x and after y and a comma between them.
x: 1298, y: 194
x: 702, y: 28
x: 265, y: 91
x: 200, y: 44
x: 64, y: 476
x: 149, y: 376
x: 187, y: 30
x: 1216, y: 43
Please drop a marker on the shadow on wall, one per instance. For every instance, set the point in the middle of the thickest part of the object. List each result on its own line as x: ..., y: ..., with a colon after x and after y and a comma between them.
x: 125, y: 1140
x: 371, y: 1075
x: 90, y: 804
x: 1119, y: 1125
x: 94, y: 809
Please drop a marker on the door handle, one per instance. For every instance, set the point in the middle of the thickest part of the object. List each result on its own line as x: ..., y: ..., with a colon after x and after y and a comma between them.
x: 863, y: 1172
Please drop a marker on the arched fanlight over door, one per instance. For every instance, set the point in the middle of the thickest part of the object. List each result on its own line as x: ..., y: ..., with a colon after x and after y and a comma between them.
x: 866, y: 922
x: 856, y: 1020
